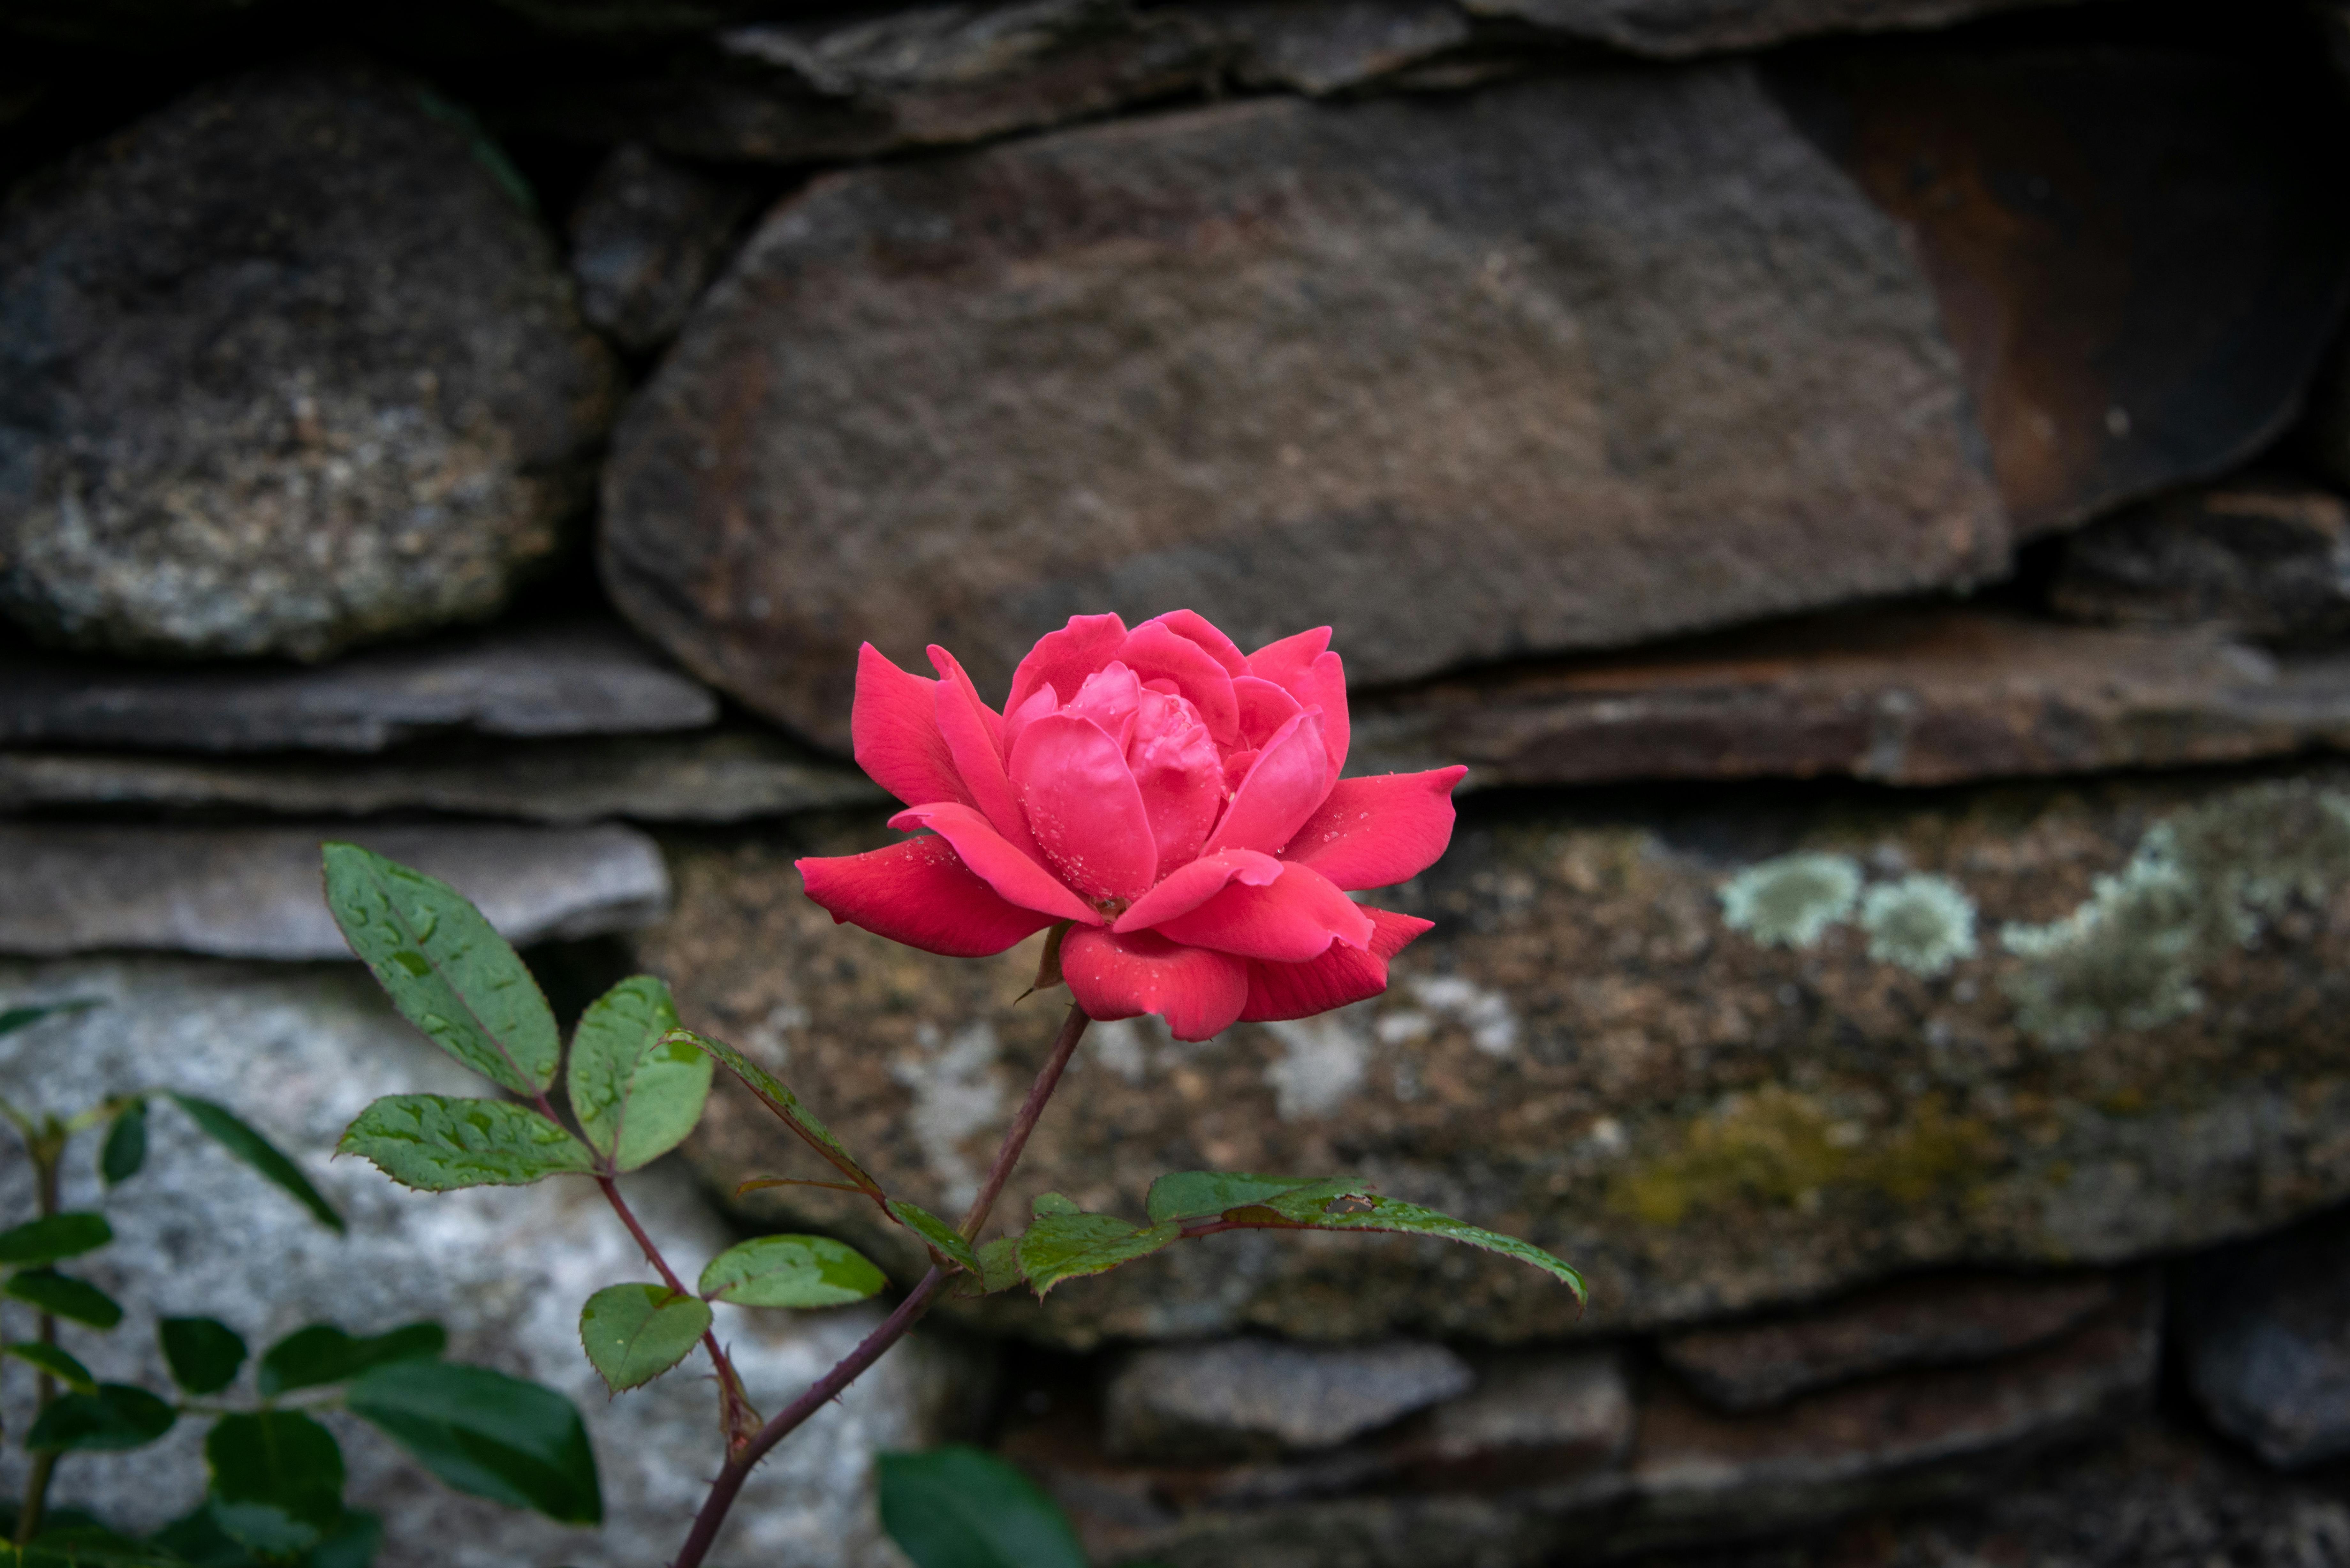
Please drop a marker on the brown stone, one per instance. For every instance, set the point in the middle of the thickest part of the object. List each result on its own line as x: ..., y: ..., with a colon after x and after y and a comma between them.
x: 2264, y: 558
x: 1565, y: 363
x: 1936, y: 1320
x: 1915, y: 695
x: 2025, y: 1026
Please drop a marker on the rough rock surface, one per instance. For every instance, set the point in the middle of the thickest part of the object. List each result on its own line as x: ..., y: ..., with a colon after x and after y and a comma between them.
x: 299, y: 1052
x: 1720, y: 1052
x: 1913, y: 695
x: 1935, y: 1320
x: 1237, y: 1396
x: 716, y: 775
x: 290, y: 367
x: 2268, y: 559
x: 254, y: 892
x: 649, y: 232
x: 1500, y: 403
x: 2267, y: 1334
x: 1675, y: 29
x: 585, y: 678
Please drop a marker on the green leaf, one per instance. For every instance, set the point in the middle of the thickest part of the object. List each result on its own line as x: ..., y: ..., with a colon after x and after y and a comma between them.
x: 791, y: 1272
x: 115, y: 1417
x: 1208, y: 1194
x: 90, y: 1545
x: 221, y: 1125
x: 203, y: 1353
x: 437, y: 1144
x: 999, y: 1270
x: 125, y: 1149
x: 1062, y: 1245
x: 322, y: 1353
x: 963, y: 1508
x: 444, y: 968
x: 636, y: 1090
x: 485, y: 1433
x: 353, y: 1544
x: 62, y: 1296
x: 16, y: 1018
x: 197, y: 1541
x: 54, y: 1236
x: 276, y: 1480
x: 55, y: 1362
x: 782, y: 1101
x: 943, y: 1236
x: 633, y: 1334
x: 1360, y: 1210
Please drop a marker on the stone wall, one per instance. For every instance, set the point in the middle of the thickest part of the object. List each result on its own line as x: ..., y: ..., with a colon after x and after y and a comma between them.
x: 1865, y: 488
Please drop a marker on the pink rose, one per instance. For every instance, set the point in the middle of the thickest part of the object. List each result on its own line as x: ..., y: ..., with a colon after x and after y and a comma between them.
x: 1177, y: 803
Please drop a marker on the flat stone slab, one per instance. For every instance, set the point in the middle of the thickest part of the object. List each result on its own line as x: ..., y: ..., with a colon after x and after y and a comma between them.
x: 1237, y: 1396
x: 2264, y: 557
x: 714, y: 775
x: 1726, y: 1051
x: 1913, y: 695
x: 255, y: 892
x: 581, y: 678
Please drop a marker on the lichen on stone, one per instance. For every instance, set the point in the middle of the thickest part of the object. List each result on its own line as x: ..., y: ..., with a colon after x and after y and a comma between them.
x: 1791, y: 901
x: 1922, y: 923
x: 2209, y: 879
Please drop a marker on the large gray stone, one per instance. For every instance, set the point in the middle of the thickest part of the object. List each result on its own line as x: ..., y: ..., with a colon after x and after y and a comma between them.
x: 581, y: 678
x: 254, y: 892
x: 299, y: 1052
x: 291, y: 366
x: 649, y: 232
x: 2266, y: 1329
x: 1242, y: 1396
x: 1465, y: 377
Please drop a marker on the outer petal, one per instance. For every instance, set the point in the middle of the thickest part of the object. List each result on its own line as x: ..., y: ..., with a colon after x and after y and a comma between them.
x: 974, y: 737
x: 920, y: 893
x: 1376, y: 832
x: 893, y: 727
x: 1265, y: 708
x: 1191, y: 624
x: 1197, y: 992
x: 1301, y: 666
x: 1290, y: 920
x: 1286, y: 782
x: 1062, y: 659
x: 1344, y: 974
x: 999, y: 864
x: 1083, y: 807
x: 1156, y: 652
x: 1189, y: 887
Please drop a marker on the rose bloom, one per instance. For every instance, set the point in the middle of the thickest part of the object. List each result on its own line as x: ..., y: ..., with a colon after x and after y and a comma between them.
x: 1174, y: 800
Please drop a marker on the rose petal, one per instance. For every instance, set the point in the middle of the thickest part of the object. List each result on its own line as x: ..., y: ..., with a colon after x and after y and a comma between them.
x: 1378, y: 831
x: 995, y: 862
x: 920, y: 893
x: 1290, y: 920
x: 893, y: 729
x: 1189, y: 887
x: 1343, y: 974
x: 1198, y: 992
x: 1083, y: 807
x: 1040, y: 701
x: 1301, y: 666
x: 1194, y: 625
x: 1265, y: 708
x: 1176, y: 766
x: 1108, y: 698
x: 1288, y: 781
x: 1154, y: 653
x: 974, y: 739
x: 1062, y: 659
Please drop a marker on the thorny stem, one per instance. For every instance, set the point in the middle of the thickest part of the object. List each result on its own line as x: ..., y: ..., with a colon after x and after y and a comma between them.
x: 44, y: 1148
x: 893, y: 1328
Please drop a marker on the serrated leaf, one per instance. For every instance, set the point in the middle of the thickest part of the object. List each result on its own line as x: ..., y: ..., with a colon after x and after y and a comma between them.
x: 791, y: 1272
x: 437, y: 1144
x: 963, y: 1508
x: 48, y: 1358
x: 14, y: 1018
x: 203, y: 1353
x: 113, y: 1417
x: 322, y: 1353
x: 276, y: 1480
x: 1360, y: 1210
x: 62, y: 1296
x: 52, y: 1237
x: 779, y: 1099
x: 999, y: 1270
x: 197, y: 1541
x: 487, y: 1434
x: 125, y: 1149
x: 943, y: 1238
x: 444, y: 967
x: 1206, y: 1194
x: 1061, y: 1245
x: 221, y: 1125
x: 636, y: 1091
x: 634, y: 1333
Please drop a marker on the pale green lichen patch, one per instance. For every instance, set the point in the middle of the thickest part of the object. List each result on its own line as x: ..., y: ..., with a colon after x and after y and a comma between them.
x: 1922, y: 923
x: 2206, y: 880
x: 1791, y: 901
